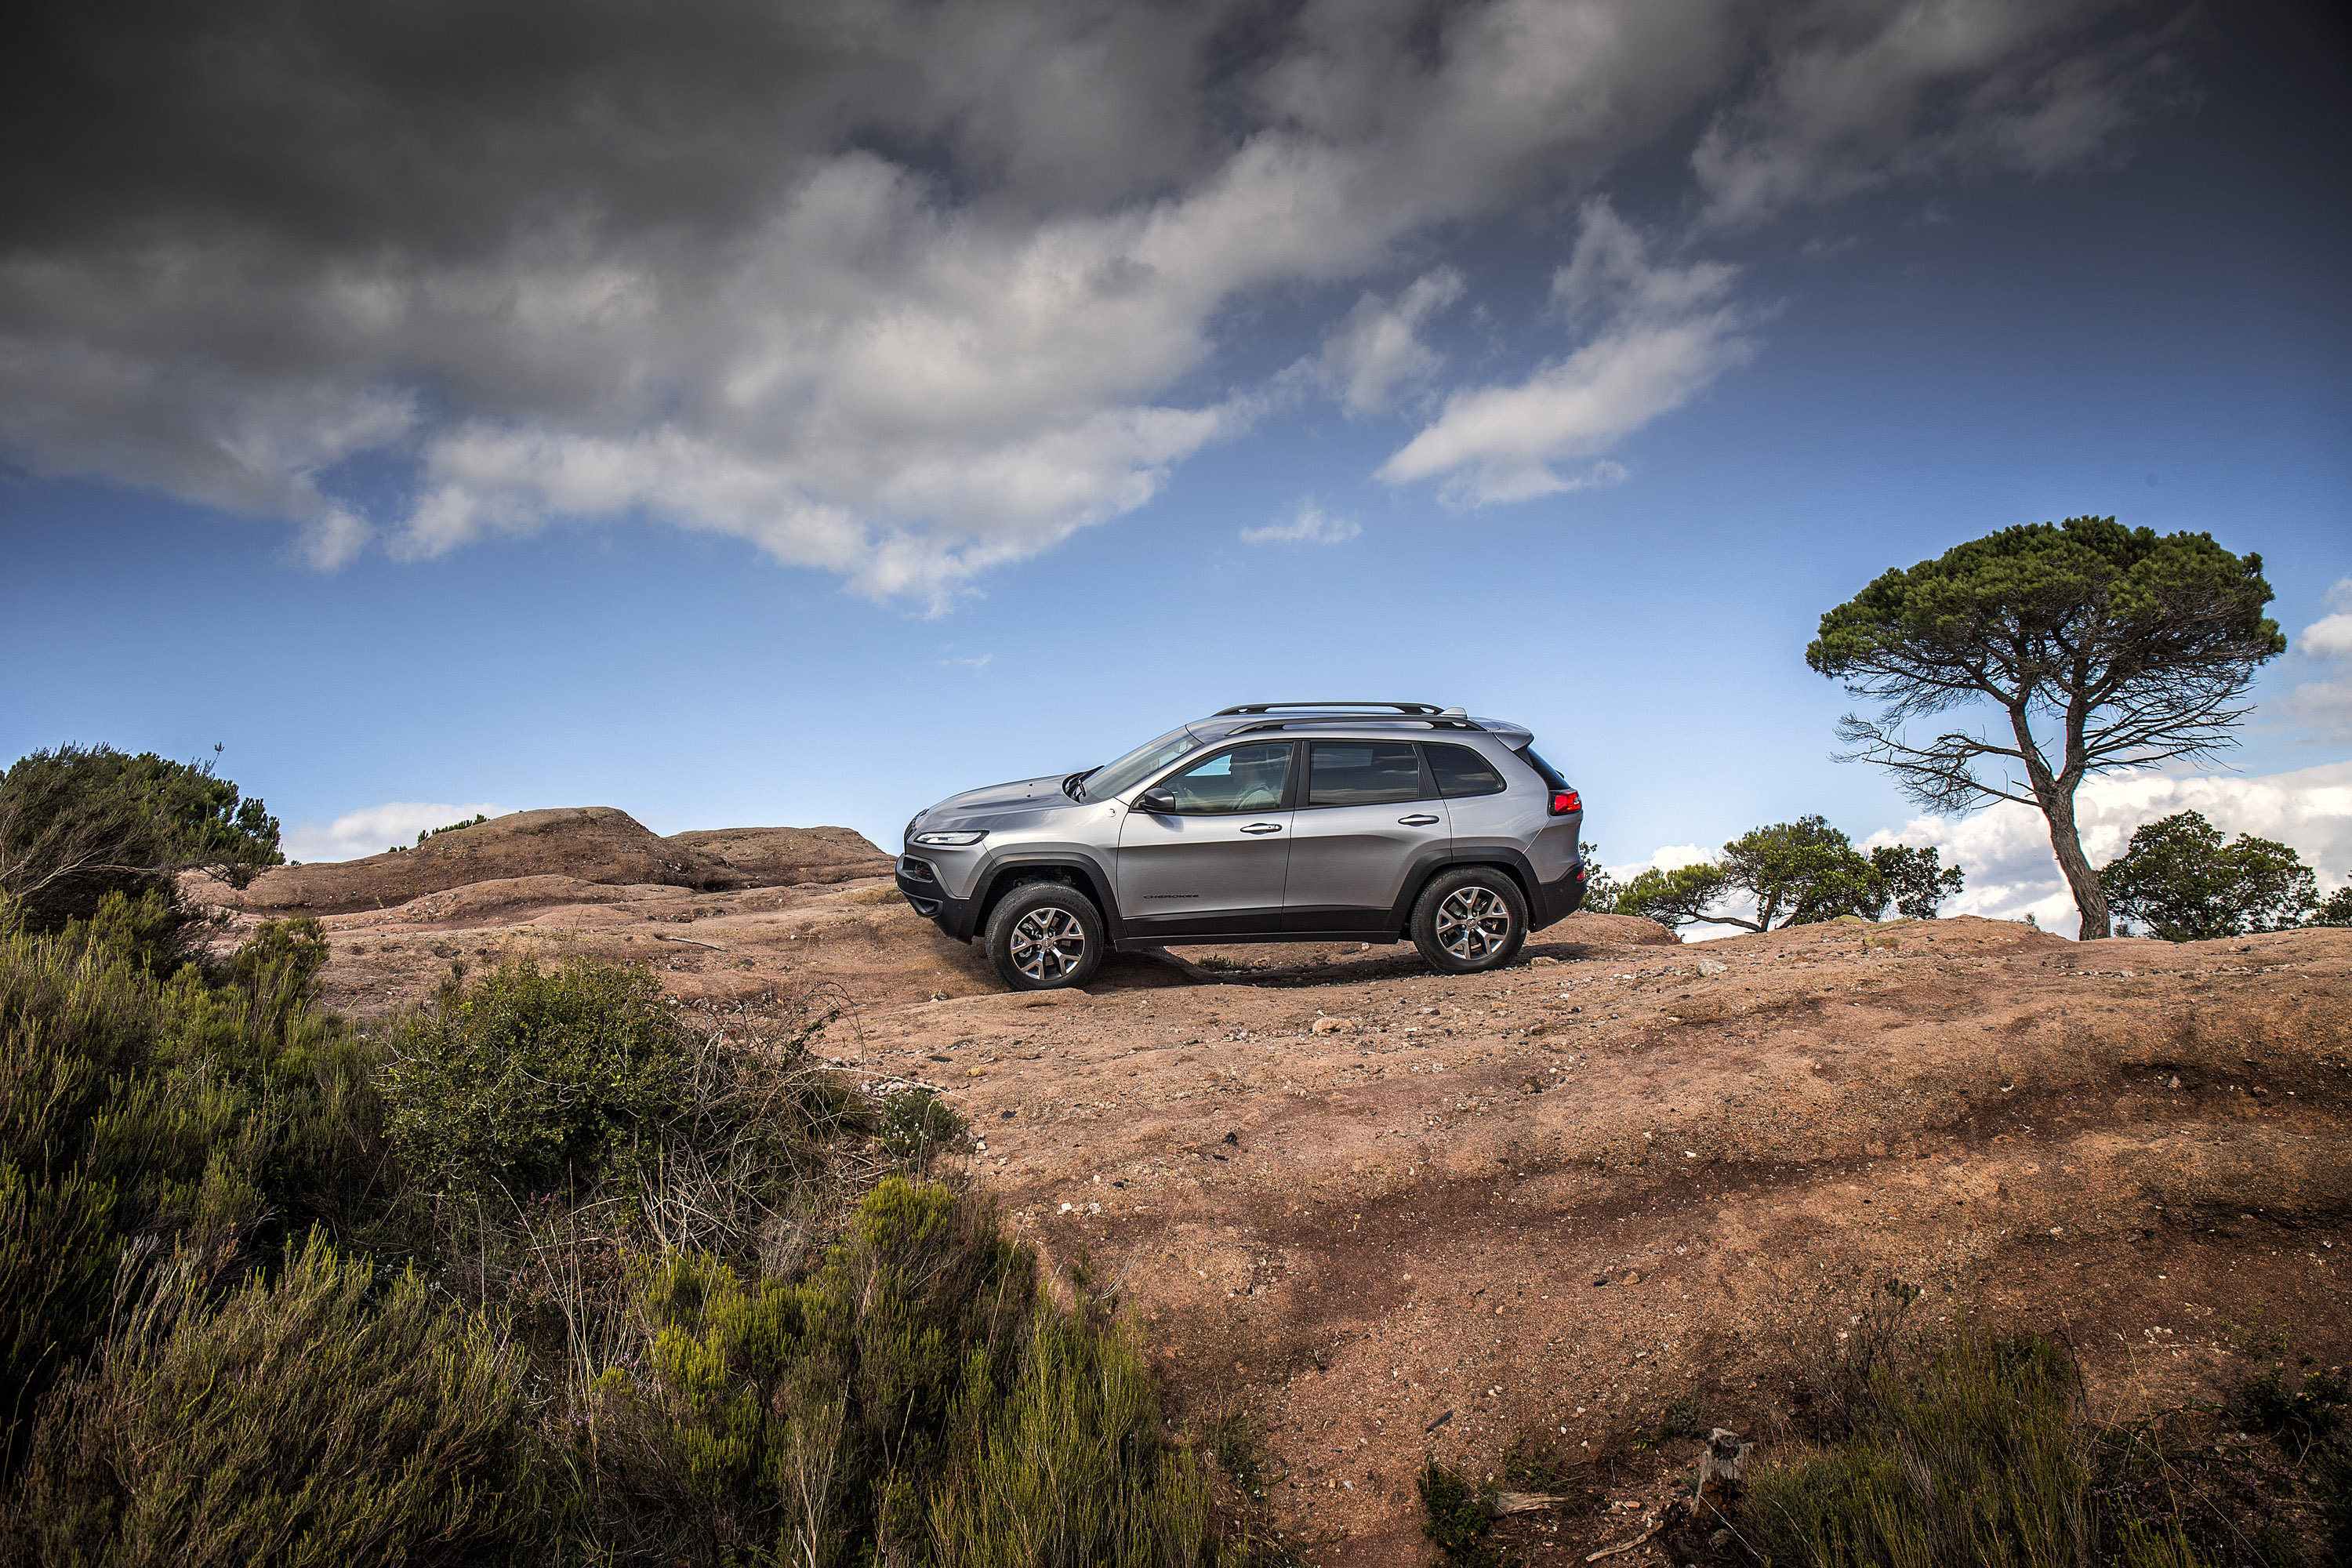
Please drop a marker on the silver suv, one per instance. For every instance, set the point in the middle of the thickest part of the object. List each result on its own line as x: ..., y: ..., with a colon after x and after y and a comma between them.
x: 1268, y: 822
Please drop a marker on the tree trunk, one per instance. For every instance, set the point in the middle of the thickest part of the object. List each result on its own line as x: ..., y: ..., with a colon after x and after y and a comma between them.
x: 2090, y: 898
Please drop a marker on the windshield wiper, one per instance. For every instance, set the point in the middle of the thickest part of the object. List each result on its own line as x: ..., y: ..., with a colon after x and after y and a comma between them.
x: 1074, y: 787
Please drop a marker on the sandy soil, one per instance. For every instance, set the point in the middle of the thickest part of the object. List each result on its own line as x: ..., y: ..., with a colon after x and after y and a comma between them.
x: 1394, y: 1214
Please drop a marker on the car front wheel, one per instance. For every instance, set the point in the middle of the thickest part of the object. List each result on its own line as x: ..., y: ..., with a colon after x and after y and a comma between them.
x: 1470, y: 921
x: 1045, y: 936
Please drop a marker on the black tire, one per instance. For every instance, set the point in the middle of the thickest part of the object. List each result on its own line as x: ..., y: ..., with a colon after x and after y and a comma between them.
x: 1032, y: 933
x: 1470, y: 921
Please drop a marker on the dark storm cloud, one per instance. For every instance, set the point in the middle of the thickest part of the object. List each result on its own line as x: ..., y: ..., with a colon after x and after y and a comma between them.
x: 898, y: 290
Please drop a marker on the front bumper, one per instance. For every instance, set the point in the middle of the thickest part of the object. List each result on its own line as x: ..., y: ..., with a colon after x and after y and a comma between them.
x: 918, y: 883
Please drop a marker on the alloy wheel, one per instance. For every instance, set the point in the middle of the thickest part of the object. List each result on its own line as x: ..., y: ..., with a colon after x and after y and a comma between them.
x: 1472, y: 923
x: 1047, y: 943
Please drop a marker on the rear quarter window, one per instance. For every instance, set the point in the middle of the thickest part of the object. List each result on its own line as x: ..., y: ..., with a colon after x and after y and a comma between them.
x: 1544, y: 770
x: 1462, y: 772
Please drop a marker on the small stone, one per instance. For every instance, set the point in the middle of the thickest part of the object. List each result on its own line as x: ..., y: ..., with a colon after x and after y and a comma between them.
x: 1543, y: 963
x: 1633, y: 1277
x: 1328, y: 1025
x: 1712, y: 966
x: 975, y: 1072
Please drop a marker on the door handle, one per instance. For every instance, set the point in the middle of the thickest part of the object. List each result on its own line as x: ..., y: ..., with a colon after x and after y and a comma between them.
x: 1419, y: 819
x: 1263, y: 827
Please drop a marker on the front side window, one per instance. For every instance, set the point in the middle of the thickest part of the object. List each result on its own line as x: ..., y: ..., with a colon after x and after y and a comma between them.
x: 1462, y: 772
x: 1362, y: 773
x: 1247, y: 778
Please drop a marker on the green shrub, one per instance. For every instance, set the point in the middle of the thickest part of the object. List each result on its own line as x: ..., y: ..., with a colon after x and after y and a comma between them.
x: 1979, y: 1453
x: 531, y: 1082
x: 917, y: 1124
x: 321, y: 1418
x: 915, y: 1400
x: 1456, y: 1515
x: 177, y: 1110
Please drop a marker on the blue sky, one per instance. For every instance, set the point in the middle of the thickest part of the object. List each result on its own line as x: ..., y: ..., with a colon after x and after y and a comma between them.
x: 1568, y: 375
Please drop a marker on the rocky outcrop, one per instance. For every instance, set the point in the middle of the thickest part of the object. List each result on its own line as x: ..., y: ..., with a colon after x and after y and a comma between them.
x: 597, y: 845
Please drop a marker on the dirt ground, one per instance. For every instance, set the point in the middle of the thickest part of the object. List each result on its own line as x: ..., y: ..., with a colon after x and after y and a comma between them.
x: 1389, y: 1213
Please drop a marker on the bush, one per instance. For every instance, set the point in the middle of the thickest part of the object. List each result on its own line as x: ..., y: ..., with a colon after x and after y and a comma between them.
x: 1456, y: 1515
x: 533, y: 1082
x: 917, y: 1124
x: 916, y: 1400
x: 177, y: 1110
x: 318, y: 1419
x: 1978, y: 1452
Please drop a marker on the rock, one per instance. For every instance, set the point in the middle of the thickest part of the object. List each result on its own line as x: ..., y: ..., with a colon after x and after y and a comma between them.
x: 1543, y: 963
x: 1724, y: 1459
x: 1328, y: 1025
x: 1633, y: 1277
x: 1712, y: 966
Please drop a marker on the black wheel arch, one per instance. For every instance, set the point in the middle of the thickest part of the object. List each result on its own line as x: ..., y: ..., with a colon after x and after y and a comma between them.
x: 1071, y: 868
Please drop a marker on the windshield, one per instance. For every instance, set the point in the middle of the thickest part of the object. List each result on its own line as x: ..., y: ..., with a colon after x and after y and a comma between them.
x: 1138, y: 764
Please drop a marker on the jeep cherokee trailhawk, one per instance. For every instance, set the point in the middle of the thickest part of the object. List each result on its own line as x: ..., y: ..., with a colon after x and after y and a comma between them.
x: 1269, y: 822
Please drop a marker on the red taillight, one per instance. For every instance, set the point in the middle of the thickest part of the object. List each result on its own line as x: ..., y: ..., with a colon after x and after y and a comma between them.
x: 1564, y: 801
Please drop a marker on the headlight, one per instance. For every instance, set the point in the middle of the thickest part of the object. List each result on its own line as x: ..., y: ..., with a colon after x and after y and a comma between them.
x: 949, y: 840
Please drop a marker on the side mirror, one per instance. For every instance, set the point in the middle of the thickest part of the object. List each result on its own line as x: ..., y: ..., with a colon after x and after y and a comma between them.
x: 1159, y: 802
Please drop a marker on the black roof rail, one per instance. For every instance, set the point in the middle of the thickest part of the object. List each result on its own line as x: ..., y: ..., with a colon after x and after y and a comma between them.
x: 1435, y: 720
x: 1430, y: 708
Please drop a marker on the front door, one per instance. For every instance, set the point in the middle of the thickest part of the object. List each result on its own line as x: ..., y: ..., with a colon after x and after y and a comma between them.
x: 1216, y: 862
x: 1368, y: 820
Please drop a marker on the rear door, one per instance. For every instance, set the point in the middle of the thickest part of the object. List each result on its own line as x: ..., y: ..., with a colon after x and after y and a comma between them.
x: 1216, y: 863
x: 1369, y: 818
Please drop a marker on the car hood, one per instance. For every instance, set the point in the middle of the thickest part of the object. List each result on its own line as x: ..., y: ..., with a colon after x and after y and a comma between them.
x: 997, y: 804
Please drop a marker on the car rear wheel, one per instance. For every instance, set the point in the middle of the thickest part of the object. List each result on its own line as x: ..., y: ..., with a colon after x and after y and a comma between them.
x: 1470, y: 921
x: 1045, y: 936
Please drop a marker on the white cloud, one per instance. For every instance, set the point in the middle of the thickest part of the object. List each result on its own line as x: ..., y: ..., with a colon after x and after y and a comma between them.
x: 975, y: 662
x: 371, y: 831
x: 1667, y: 334
x: 1376, y: 346
x: 2005, y: 851
x: 2331, y: 636
x: 2326, y: 643
x: 1310, y: 524
x: 895, y: 290
x: 1856, y: 97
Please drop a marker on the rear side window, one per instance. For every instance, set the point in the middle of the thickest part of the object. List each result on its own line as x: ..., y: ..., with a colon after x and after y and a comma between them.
x: 1462, y: 772
x: 1551, y: 775
x: 1362, y: 773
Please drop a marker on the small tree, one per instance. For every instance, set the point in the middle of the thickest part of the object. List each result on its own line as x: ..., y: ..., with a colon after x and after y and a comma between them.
x: 2104, y: 648
x: 1798, y: 872
x: 2336, y: 909
x: 1600, y: 888
x: 2181, y: 880
x: 1914, y: 879
x: 81, y: 822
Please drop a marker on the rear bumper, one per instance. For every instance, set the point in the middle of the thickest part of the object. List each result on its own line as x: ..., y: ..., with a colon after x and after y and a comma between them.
x: 1557, y: 901
x: 921, y: 890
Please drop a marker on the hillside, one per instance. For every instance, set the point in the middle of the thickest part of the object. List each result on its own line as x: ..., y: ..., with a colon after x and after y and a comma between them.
x: 1393, y: 1214
x: 594, y: 845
